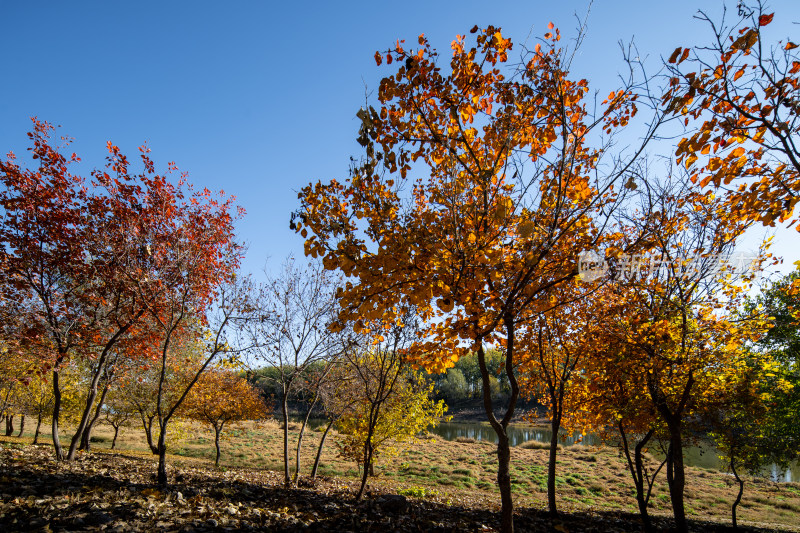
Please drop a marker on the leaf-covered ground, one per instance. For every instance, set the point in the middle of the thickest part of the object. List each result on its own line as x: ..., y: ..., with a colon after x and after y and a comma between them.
x: 104, y: 491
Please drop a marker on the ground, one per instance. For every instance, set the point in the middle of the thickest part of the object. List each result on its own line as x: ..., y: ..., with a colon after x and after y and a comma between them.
x: 449, y: 486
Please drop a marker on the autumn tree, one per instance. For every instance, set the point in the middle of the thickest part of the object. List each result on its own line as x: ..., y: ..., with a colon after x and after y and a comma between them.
x: 118, y: 411
x: 212, y: 337
x: 552, y: 353
x: 87, y: 260
x: 478, y: 188
x: 385, y: 402
x: 221, y: 397
x: 289, y: 331
x: 739, y: 94
x: 737, y: 426
x: 680, y: 330
x: 42, y: 232
x: 754, y: 424
x: 612, y: 396
x: 337, y: 395
x: 36, y: 399
x: 316, y: 381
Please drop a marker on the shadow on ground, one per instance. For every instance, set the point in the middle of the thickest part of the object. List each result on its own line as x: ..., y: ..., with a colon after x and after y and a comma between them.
x: 115, y: 492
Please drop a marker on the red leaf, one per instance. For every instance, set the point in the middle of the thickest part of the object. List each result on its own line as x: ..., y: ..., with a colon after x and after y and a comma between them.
x: 763, y: 20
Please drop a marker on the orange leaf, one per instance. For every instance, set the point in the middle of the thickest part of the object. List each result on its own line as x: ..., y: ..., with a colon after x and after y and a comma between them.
x: 790, y: 46
x: 675, y: 54
x: 550, y: 26
x: 763, y: 20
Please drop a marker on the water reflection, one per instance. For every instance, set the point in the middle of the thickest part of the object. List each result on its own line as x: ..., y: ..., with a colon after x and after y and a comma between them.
x: 699, y: 456
x: 516, y: 435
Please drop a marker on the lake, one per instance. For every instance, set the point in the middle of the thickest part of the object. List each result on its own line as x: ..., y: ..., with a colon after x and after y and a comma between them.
x: 700, y: 456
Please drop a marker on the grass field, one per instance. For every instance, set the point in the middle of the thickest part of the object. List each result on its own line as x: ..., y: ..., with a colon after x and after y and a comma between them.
x: 463, y: 473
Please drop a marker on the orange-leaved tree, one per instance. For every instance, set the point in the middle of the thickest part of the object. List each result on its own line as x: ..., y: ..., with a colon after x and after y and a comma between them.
x: 678, y: 331
x: 478, y: 188
x: 553, y: 355
x: 612, y: 397
x: 220, y: 397
x: 740, y: 96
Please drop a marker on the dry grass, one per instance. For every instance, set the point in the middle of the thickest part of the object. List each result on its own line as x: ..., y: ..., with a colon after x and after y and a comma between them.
x: 588, y: 478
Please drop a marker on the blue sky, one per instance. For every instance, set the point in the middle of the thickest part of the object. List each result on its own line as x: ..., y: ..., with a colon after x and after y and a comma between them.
x: 259, y: 98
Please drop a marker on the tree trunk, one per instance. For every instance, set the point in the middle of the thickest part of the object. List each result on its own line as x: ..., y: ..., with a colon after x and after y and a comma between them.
x: 285, y: 409
x: 9, y: 425
x: 555, y: 424
x: 676, y: 477
x: 319, y: 450
x: 78, y: 436
x: 503, y: 449
x: 86, y: 438
x: 114, y: 441
x: 217, y: 430
x: 300, y: 442
x: 504, y: 482
x: 643, y: 499
x: 367, y: 455
x: 21, y: 426
x: 38, y: 427
x: 147, y: 423
x: 56, y: 414
x: 637, y: 471
x: 740, y: 481
x: 162, y: 455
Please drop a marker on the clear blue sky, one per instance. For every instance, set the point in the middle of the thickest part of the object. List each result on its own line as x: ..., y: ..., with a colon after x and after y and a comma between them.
x: 259, y: 98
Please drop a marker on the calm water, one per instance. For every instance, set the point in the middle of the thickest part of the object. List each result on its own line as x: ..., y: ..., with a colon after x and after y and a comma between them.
x: 705, y: 457
x: 517, y: 435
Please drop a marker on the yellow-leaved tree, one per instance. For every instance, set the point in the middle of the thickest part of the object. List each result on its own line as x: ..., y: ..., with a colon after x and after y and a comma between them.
x: 381, y: 401
x: 220, y: 397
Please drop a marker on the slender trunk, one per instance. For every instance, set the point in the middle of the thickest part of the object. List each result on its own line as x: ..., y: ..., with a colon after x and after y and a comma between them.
x: 86, y: 438
x: 368, y: 450
x: 21, y: 426
x: 56, y: 414
x: 740, y: 481
x: 285, y: 408
x: 38, y: 427
x: 162, y: 454
x: 90, y: 398
x: 217, y: 430
x: 636, y: 469
x: 9, y: 425
x: 114, y: 441
x: 300, y: 442
x: 504, y: 482
x: 503, y: 449
x: 319, y: 450
x: 147, y: 423
x: 676, y: 475
x: 555, y: 424
x: 643, y: 499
